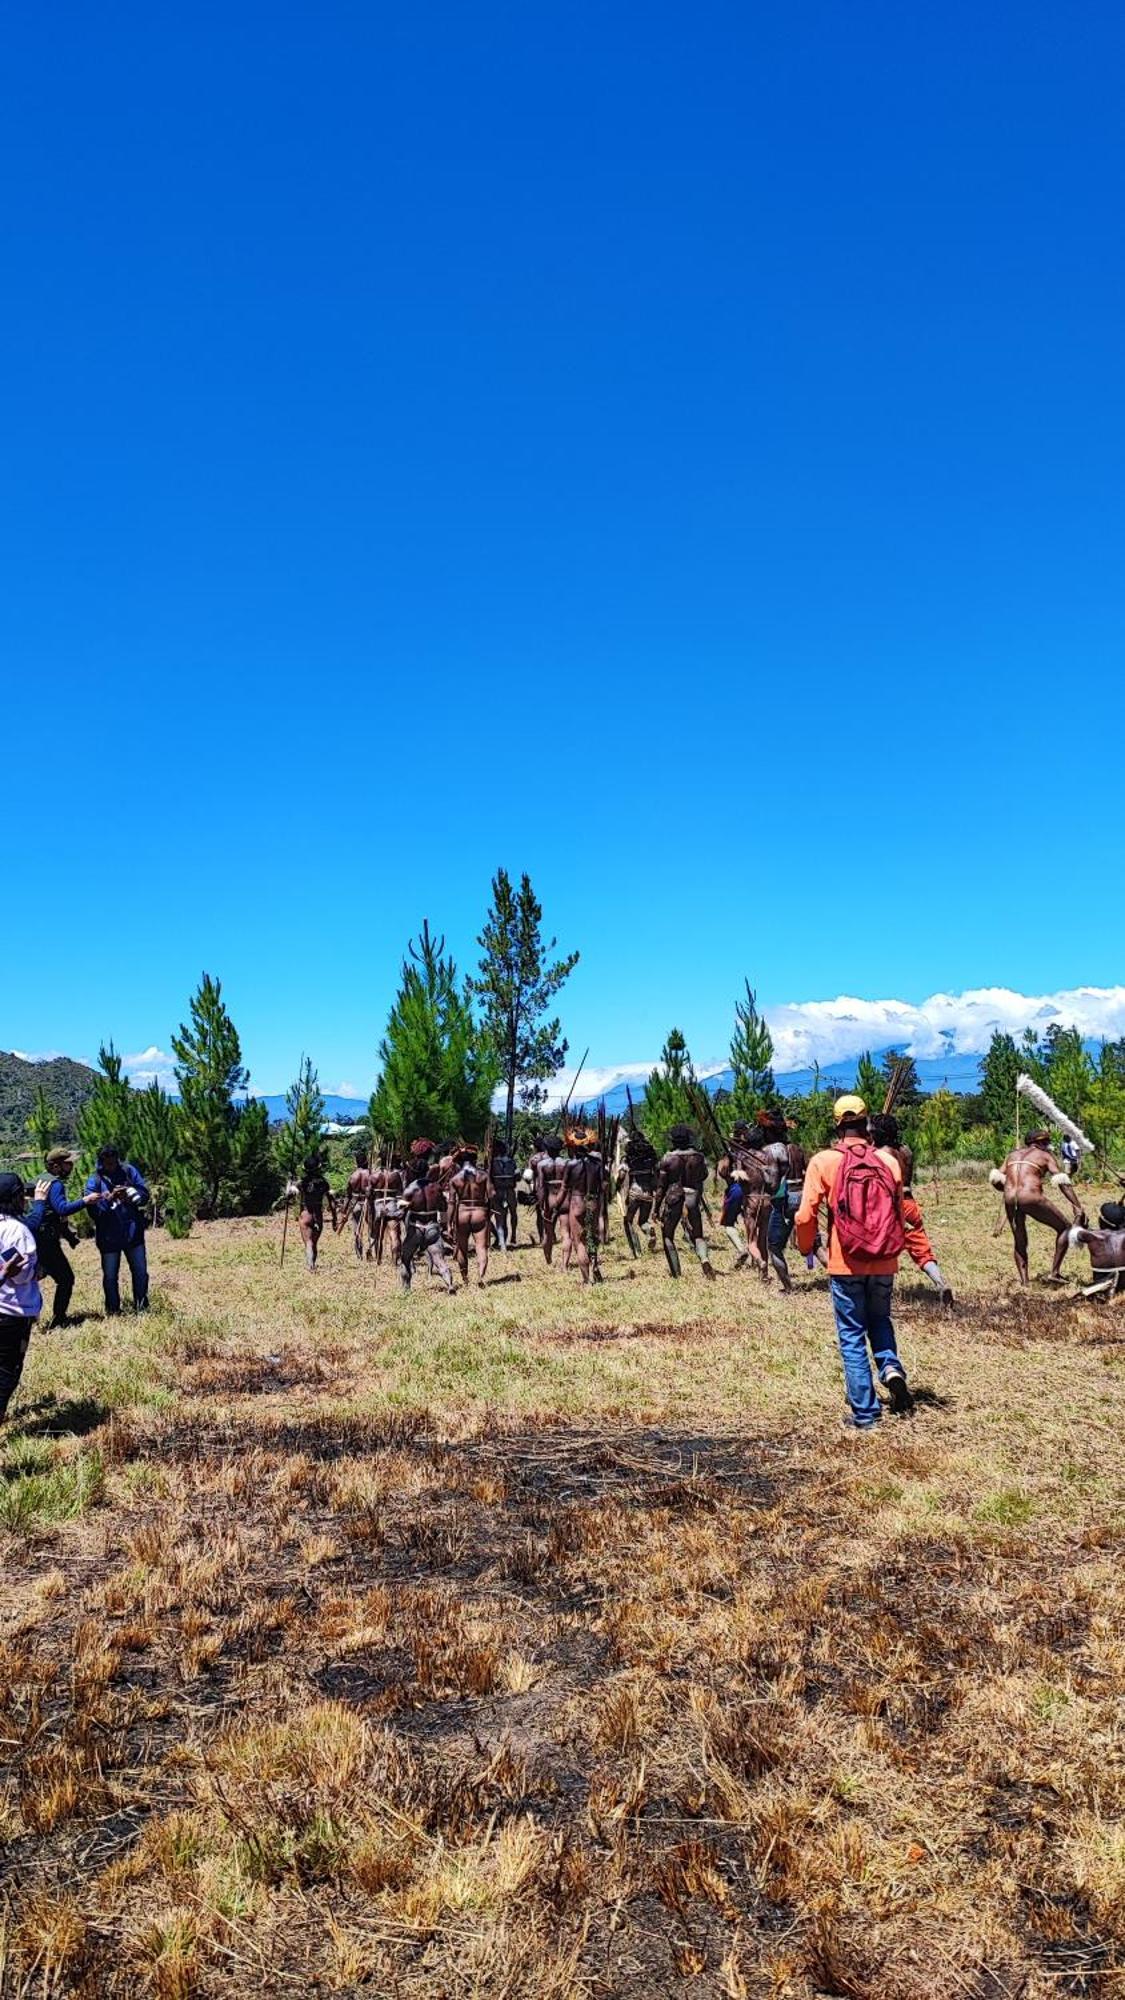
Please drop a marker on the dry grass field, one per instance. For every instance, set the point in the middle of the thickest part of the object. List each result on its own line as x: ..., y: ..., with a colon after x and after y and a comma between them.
x: 542, y: 1643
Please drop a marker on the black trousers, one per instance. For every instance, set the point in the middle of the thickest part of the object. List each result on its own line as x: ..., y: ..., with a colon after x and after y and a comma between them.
x: 54, y: 1263
x: 14, y: 1336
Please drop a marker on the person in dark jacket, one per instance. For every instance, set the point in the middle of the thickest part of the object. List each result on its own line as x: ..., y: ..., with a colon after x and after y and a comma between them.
x: 48, y: 1219
x: 119, y: 1226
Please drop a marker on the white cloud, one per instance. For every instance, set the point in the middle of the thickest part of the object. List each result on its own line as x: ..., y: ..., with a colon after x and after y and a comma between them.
x: 36, y: 1055
x: 150, y: 1065
x: 595, y: 1081
x: 344, y: 1089
x: 825, y: 1031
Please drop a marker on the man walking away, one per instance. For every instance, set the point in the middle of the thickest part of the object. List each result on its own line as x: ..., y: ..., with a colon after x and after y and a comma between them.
x: 863, y: 1194
x: 119, y: 1227
x: 49, y: 1221
x: 885, y: 1138
x: 20, y: 1298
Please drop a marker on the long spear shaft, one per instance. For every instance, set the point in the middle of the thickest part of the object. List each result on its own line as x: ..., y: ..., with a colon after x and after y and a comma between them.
x: 565, y: 1105
x: 292, y: 1171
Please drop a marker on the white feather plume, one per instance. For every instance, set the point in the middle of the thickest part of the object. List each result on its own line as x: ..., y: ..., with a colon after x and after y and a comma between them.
x: 1029, y: 1088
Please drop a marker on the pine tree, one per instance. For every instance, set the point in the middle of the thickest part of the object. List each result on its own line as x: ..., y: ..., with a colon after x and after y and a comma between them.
x: 208, y: 1072
x: 667, y: 1099
x: 106, y: 1117
x: 302, y: 1134
x: 999, y: 1068
x: 938, y: 1127
x: 156, y: 1142
x: 909, y: 1092
x: 438, y: 1069
x: 812, y: 1113
x: 1070, y: 1071
x: 515, y: 988
x: 870, y: 1083
x: 255, y: 1179
x: 1105, y: 1103
x: 43, y: 1122
x: 751, y: 1059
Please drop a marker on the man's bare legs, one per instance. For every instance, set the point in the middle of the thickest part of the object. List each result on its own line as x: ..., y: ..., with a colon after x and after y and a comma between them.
x: 574, y: 1222
x: 1039, y: 1211
x: 310, y: 1237
x: 474, y: 1224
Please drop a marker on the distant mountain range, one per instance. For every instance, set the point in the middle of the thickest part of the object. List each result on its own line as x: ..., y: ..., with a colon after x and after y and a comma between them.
x: 959, y: 1073
x: 337, y: 1110
x: 67, y: 1084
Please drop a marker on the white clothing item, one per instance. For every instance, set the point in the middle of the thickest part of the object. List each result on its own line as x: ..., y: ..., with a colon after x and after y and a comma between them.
x: 20, y: 1297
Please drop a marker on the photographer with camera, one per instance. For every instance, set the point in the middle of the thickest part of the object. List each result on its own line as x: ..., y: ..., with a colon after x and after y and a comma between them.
x: 48, y: 1219
x: 119, y: 1226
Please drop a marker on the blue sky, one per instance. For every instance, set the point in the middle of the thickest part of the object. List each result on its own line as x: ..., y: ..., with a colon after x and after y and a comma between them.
x: 677, y: 452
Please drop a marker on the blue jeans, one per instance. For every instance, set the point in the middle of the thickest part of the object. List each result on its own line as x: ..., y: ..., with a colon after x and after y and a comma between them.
x: 863, y: 1314
x: 134, y: 1255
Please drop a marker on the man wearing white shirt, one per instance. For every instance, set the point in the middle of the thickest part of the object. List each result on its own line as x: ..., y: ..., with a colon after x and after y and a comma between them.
x: 21, y: 1301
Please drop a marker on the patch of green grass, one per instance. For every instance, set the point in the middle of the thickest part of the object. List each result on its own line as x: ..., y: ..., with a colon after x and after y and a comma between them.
x: 36, y: 1494
x: 1008, y: 1507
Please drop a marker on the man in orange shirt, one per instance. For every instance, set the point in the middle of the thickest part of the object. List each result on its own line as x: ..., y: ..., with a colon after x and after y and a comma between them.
x: 861, y: 1283
x: 885, y: 1138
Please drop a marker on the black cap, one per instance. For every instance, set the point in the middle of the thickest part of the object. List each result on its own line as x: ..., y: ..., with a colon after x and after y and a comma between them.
x: 11, y: 1190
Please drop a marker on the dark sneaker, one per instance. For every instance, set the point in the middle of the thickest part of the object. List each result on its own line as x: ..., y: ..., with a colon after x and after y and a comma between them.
x: 901, y: 1400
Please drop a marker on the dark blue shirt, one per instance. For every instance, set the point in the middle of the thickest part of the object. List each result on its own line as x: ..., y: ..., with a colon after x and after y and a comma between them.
x: 118, y: 1224
x: 48, y: 1212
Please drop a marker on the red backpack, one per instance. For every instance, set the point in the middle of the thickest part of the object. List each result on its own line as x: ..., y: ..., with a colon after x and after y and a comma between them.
x: 864, y: 1206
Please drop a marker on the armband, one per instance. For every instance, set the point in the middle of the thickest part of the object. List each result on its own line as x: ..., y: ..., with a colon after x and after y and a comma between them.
x: 996, y: 1177
x: 1060, y: 1180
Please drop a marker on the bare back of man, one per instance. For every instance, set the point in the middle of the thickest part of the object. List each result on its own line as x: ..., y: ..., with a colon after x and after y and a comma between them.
x: 1021, y: 1178
x: 385, y: 1189
x: 471, y: 1195
x: 356, y: 1199
x: 636, y: 1186
x: 505, y: 1214
x: 681, y: 1176
x: 577, y: 1201
x: 548, y: 1180
x: 746, y: 1206
x: 423, y: 1205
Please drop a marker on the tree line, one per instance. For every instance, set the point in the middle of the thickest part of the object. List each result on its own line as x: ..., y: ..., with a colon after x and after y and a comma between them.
x: 453, y: 1044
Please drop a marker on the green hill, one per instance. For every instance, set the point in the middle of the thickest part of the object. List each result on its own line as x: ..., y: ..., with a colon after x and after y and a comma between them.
x: 67, y: 1084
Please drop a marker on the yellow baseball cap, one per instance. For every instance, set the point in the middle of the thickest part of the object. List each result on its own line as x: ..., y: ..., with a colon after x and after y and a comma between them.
x: 849, y: 1107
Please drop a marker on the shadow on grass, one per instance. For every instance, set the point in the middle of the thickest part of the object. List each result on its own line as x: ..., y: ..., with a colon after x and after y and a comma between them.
x: 75, y: 1417
x: 928, y: 1399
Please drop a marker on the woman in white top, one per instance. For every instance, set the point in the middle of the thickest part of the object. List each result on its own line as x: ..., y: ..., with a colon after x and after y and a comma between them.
x: 21, y: 1301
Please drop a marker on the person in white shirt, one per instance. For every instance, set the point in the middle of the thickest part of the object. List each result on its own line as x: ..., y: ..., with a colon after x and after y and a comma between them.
x: 21, y: 1301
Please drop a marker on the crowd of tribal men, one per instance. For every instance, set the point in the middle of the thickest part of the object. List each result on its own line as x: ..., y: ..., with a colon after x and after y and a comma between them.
x: 443, y: 1201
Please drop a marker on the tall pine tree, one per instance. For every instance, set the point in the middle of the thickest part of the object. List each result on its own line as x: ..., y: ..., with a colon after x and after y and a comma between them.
x: 439, y: 1069
x: 751, y: 1060
x: 209, y: 1071
x: 106, y: 1117
x: 667, y: 1100
x: 43, y: 1122
x: 303, y: 1131
x: 999, y: 1068
x: 515, y: 986
x: 156, y: 1142
x: 870, y: 1083
x: 910, y: 1090
x: 255, y: 1179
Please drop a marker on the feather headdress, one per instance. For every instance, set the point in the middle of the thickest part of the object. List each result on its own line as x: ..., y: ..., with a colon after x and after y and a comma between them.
x: 1028, y: 1087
